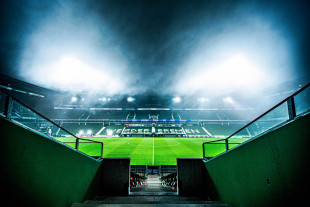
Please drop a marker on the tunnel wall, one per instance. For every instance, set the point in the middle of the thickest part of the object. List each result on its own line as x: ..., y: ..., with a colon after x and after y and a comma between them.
x: 191, y: 177
x: 39, y: 171
x: 115, y: 176
x: 272, y: 170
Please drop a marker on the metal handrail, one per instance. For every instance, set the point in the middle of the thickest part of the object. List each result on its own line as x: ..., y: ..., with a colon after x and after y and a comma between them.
x: 291, y: 111
x: 7, y: 105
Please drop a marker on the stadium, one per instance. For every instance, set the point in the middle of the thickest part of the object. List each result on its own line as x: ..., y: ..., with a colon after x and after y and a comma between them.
x: 154, y: 103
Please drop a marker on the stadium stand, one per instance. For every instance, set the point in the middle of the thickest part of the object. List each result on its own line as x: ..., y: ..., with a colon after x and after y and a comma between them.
x: 142, y: 114
x: 196, y: 123
x: 195, y: 131
x: 137, y: 131
x: 147, y: 129
x: 168, y: 130
x: 164, y: 114
x: 224, y: 130
x: 112, y: 130
x: 238, y: 114
x: 176, y: 116
x: 71, y: 114
x: 131, y: 115
x: 109, y: 114
x: 83, y: 129
x: 199, y: 114
x: 31, y: 124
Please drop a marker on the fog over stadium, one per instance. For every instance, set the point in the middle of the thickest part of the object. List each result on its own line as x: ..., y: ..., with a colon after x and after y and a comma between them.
x: 205, y: 48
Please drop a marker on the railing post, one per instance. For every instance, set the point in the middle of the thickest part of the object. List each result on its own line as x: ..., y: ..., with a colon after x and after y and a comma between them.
x: 203, y: 150
x: 77, y: 141
x: 226, y: 144
x: 291, y: 108
x: 101, y: 150
x: 8, y: 107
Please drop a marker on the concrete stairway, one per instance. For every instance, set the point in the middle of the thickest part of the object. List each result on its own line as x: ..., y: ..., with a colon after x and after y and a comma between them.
x: 149, y: 201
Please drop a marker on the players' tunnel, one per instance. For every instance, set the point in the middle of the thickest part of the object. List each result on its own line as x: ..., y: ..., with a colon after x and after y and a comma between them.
x: 153, y: 180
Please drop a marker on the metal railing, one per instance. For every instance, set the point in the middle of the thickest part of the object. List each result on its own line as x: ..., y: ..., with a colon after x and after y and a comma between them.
x: 22, y: 114
x: 296, y: 104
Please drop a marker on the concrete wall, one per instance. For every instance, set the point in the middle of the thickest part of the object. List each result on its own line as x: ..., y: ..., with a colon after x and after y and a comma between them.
x: 272, y: 170
x: 37, y: 171
x: 191, y: 177
x: 115, y: 176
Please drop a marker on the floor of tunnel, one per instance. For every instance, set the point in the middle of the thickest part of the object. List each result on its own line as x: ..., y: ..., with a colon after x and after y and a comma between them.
x: 153, y: 186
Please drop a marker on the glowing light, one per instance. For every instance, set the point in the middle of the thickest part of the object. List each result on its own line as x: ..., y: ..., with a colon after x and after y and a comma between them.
x: 130, y: 99
x: 74, y: 99
x: 202, y: 99
x: 81, y: 132
x: 176, y: 99
x: 89, y: 132
x: 228, y: 100
x: 234, y: 73
x: 109, y: 132
x: 72, y: 73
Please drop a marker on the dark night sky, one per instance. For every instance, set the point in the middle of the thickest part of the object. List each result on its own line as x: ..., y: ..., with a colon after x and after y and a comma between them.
x: 152, y: 45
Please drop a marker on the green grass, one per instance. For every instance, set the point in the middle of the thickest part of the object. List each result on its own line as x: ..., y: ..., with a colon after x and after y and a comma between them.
x: 141, y: 151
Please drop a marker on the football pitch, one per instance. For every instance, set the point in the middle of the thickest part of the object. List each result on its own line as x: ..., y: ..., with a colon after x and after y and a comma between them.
x: 151, y: 150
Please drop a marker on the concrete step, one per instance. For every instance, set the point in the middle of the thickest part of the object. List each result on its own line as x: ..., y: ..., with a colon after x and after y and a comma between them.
x: 149, y: 205
x: 148, y: 198
x: 150, y: 201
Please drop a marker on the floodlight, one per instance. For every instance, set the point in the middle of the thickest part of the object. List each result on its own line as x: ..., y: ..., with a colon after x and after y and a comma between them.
x: 228, y: 100
x: 130, y: 99
x: 176, y: 99
x: 89, y: 132
x: 203, y: 100
x: 232, y: 73
x: 103, y: 99
x: 81, y: 132
x: 71, y: 73
x: 74, y: 99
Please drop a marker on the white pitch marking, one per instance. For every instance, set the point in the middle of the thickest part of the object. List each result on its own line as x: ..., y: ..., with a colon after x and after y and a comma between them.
x: 153, y: 152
